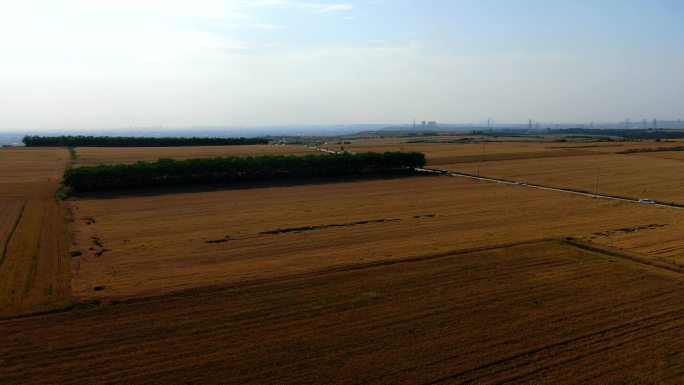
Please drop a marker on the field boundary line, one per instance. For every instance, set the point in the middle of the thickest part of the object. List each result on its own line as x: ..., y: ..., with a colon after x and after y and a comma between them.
x: 210, y: 289
x: 11, y: 233
x: 579, y: 153
x: 427, y: 257
x: 631, y: 256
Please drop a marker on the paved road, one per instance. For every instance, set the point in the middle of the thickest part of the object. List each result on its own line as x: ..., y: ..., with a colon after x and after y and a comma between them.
x: 528, y: 185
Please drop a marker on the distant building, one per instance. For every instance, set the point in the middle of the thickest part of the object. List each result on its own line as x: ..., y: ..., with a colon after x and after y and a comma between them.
x: 432, y: 124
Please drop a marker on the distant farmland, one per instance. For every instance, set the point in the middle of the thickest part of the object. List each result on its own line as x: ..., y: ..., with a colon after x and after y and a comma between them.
x: 634, y: 176
x: 89, y: 156
x: 489, y: 149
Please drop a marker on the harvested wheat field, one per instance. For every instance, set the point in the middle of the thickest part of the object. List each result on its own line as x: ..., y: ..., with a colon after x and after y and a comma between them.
x: 9, y: 209
x: 675, y: 155
x: 449, y: 153
x: 420, y: 279
x: 88, y: 156
x: 532, y: 313
x: 632, y: 176
x: 34, y: 271
x: 658, y: 241
x: 147, y: 245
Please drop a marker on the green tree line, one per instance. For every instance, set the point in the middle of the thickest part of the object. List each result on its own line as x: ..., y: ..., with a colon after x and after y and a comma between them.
x: 133, y: 141
x: 658, y: 149
x: 167, y: 172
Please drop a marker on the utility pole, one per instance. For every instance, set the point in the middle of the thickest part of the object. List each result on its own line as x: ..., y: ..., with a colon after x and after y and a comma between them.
x: 483, y: 143
x: 596, y: 186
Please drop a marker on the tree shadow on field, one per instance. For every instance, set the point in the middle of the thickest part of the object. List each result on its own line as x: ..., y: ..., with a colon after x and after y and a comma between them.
x: 246, y: 185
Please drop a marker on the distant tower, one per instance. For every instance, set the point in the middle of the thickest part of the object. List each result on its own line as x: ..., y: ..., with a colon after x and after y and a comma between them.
x: 643, y: 124
x: 530, y: 124
x: 655, y: 123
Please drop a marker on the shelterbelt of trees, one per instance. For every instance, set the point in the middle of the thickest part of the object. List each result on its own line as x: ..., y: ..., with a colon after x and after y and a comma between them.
x: 648, y: 149
x: 132, y: 141
x: 167, y: 172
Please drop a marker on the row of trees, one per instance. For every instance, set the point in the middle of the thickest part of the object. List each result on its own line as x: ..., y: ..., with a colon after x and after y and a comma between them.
x: 132, y: 141
x: 648, y: 149
x: 166, y: 172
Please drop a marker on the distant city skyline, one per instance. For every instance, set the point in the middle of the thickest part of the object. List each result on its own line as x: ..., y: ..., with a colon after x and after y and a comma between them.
x: 105, y: 64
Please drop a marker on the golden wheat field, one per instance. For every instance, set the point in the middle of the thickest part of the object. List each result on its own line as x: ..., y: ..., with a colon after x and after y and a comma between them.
x: 487, y: 149
x: 144, y: 245
x: 424, y: 279
x: 88, y: 156
x: 633, y: 176
x: 532, y: 313
x: 34, y: 269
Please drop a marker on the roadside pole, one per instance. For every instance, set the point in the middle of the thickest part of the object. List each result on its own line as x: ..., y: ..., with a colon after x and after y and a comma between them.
x: 596, y: 185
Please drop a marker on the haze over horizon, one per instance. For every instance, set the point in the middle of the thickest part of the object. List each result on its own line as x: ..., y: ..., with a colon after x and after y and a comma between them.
x: 123, y: 63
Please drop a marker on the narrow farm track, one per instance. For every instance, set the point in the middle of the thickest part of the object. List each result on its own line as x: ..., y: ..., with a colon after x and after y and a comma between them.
x: 542, y: 312
x: 10, y: 209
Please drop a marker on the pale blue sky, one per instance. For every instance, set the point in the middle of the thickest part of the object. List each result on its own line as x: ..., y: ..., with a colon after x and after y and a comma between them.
x: 121, y: 63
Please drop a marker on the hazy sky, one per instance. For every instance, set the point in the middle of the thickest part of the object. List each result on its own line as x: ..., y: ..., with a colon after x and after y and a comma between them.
x: 120, y: 63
